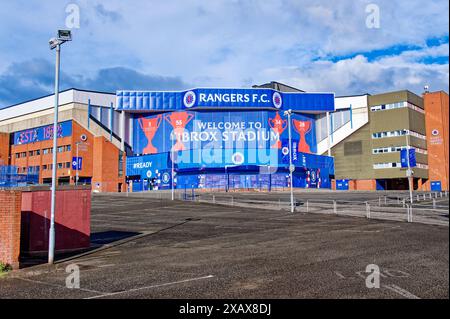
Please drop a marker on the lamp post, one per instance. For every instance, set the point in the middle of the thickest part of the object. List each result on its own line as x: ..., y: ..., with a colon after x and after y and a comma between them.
x: 55, y: 43
x: 173, y: 169
x: 288, y: 113
x: 409, y: 172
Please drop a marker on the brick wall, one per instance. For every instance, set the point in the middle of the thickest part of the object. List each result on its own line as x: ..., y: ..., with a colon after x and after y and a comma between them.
x: 106, y: 166
x: 10, y: 212
x: 437, y: 125
x: 363, y: 185
x: 4, y: 148
x: 72, y: 219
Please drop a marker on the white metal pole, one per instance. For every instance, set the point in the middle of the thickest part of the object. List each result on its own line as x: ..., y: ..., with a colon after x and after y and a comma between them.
x: 410, y: 176
x: 290, y: 162
x: 51, y: 240
x: 173, y: 169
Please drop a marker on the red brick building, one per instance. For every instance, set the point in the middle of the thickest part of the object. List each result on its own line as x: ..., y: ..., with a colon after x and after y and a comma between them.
x: 87, y: 122
x: 436, y: 121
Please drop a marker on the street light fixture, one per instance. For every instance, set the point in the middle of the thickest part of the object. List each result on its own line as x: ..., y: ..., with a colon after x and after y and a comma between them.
x: 55, y: 43
x: 288, y: 113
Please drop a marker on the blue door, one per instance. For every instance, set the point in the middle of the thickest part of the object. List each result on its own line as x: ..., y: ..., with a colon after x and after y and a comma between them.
x: 436, y: 186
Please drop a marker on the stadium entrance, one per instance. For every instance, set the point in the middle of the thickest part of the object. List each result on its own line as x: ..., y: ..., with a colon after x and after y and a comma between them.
x: 206, y: 139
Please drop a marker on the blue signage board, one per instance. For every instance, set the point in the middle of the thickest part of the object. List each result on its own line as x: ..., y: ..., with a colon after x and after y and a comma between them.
x: 436, y: 186
x: 205, y: 98
x: 342, y: 184
x: 77, y: 163
x: 225, y: 161
x: 186, y: 130
x: 42, y: 133
x: 411, y: 155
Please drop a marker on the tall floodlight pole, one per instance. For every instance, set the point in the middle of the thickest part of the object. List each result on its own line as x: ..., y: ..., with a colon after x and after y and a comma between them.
x: 288, y: 113
x: 55, y: 43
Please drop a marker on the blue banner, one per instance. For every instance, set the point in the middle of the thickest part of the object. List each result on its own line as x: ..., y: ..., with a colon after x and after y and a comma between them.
x: 77, y: 163
x: 226, y: 161
x: 404, y: 155
x: 221, y: 130
x: 203, y: 98
x: 42, y: 133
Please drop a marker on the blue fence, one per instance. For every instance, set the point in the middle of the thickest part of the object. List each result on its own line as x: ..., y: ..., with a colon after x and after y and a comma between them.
x: 9, y: 177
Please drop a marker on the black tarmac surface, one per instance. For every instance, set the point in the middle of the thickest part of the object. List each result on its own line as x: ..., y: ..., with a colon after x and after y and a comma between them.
x: 163, y: 249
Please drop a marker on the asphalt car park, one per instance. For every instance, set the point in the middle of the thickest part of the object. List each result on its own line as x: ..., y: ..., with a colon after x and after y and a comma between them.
x: 156, y: 248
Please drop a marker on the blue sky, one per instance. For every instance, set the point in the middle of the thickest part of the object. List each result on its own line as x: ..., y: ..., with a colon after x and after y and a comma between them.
x: 179, y: 44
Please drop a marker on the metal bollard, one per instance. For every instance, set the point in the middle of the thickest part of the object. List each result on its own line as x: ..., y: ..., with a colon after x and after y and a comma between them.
x: 307, y: 206
x: 232, y: 200
x: 368, y: 210
x: 404, y: 203
x: 424, y: 196
x: 434, y: 203
x: 379, y: 201
x: 385, y: 200
x: 279, y: 203
x: 214, y: 199
x: 431, y: 196
x: 335, y: 207
x: 440, y: 194
x: 418, y: 198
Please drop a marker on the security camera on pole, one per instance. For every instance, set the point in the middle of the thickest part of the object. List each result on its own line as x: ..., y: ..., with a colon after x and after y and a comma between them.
x: 55, y: 43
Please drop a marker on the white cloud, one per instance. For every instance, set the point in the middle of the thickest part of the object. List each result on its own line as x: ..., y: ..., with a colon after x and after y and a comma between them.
x: 358, y: 75
x: 232, y: 43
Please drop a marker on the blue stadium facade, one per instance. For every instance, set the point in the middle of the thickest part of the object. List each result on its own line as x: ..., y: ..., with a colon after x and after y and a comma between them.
x: 225, y: 139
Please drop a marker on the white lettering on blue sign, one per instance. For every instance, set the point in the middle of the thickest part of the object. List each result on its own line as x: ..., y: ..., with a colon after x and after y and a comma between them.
x: 233, y: 98
x: 142, y: 165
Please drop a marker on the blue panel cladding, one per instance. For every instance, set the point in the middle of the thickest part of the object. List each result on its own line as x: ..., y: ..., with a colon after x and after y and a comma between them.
x: 216, y: 98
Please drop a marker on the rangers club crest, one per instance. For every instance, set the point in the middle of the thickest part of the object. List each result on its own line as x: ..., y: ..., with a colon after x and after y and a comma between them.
x: 277, y: 100
x: 189, y: 99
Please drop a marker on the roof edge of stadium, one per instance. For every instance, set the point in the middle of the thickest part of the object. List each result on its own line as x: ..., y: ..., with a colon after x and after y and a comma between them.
x: 48, y: 95
x: 274, y: 84
x: 353, y: 95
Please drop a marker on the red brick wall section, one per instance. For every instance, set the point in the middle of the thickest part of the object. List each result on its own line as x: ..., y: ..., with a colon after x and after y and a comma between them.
x: 10, y: 209
x: 437, y: 124
x: 72, y: 220
x: 363, y: 185
x: 4, y: 148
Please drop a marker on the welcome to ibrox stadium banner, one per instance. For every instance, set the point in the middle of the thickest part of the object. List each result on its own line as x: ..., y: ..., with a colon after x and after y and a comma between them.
x: 184, y: 130
x: 146, y: 101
